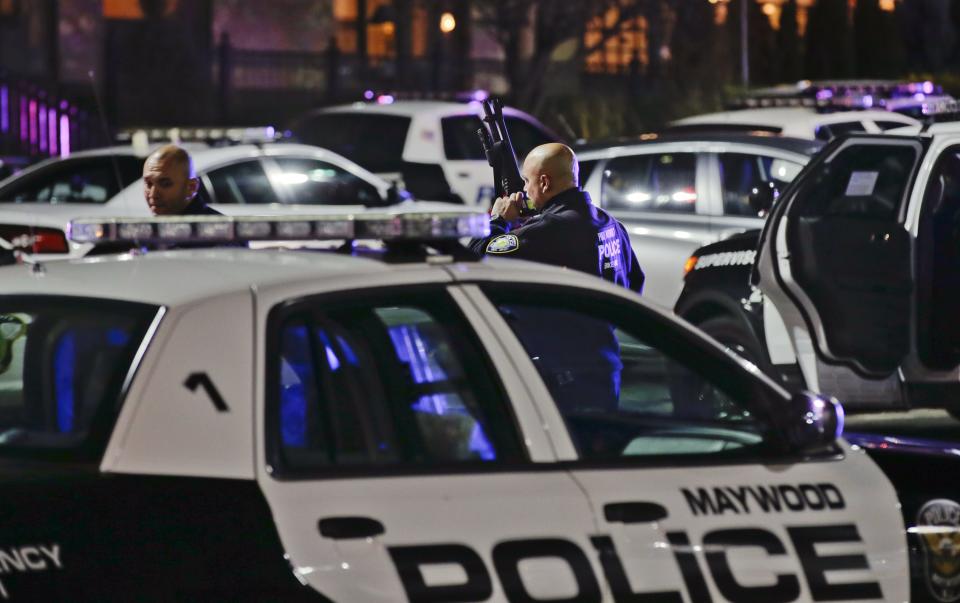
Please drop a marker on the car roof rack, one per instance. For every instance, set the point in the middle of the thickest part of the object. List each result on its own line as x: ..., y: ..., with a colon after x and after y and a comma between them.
x: 938, y: 112
x: 408, y: 236
x: 213, y: 135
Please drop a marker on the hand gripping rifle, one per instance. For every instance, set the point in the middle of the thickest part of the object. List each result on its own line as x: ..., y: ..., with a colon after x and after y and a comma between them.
x: 500, y: 154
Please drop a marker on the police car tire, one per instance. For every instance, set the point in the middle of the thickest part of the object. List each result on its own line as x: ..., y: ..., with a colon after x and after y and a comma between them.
x: 729, y: 332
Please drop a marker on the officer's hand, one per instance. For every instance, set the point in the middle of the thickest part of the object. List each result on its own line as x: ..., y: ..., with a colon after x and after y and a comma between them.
x: 508, y: 208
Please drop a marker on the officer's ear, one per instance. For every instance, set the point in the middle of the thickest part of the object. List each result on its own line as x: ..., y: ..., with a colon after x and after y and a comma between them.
x: 544, y: 183
x: 193, y: 185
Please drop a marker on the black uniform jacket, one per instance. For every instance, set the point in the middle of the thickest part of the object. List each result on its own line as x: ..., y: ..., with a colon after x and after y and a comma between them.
x: 570, y: 231
x: 197, y: 207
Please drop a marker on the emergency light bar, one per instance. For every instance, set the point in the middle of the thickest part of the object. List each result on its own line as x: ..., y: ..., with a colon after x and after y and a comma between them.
x: 213, y: 134
x: 174, y: 230
x: 940, y: 107
x: 840, y: 95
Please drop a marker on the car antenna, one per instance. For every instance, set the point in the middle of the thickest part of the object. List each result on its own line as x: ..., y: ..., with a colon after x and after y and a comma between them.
x: 106, y: 129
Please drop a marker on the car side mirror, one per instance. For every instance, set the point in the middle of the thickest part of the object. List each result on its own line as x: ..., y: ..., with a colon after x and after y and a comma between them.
x: 813, y: 421
x: 761, y: 198
x: 396, y: 195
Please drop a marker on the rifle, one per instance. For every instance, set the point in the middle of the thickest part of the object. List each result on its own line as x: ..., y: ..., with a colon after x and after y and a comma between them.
x: 498, y: 148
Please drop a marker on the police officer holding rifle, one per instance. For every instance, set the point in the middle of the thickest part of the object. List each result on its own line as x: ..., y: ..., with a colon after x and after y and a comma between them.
x: 540, y: 213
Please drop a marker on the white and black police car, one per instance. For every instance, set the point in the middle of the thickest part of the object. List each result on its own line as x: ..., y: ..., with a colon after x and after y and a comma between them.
x: 229, y: 424
x: 852, y: 289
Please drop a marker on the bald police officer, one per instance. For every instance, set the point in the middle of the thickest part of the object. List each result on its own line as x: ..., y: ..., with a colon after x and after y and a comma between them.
x: 170, y: 184
x: 568, y: 230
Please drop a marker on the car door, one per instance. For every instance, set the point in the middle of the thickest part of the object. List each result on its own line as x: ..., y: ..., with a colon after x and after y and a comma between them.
x: 675, y: 444
x: 836, y: 260
x: 402, y: 458
x: 661, y: 197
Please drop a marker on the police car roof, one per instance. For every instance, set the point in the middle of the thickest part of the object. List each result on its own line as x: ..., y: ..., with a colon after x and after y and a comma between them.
x: 706, y: 134
x: 182, y: 276
x: 177, y: 277
x: 780, y: 116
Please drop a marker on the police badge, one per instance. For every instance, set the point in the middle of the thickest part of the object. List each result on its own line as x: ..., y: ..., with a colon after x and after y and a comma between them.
x: 503, y: 244
x: 938, y: 526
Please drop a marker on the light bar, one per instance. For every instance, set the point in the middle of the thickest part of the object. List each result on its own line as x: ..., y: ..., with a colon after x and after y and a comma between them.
x: 212, y: 134
x: 839, y: 94
x: 171, y: 230
x: 944, y: 106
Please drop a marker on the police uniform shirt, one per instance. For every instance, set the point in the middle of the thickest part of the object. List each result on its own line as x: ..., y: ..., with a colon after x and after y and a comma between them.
x: 197, y: 207
x: 570, y: 231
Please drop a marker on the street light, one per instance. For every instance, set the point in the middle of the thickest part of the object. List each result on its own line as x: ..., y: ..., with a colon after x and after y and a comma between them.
x: 447, y: 22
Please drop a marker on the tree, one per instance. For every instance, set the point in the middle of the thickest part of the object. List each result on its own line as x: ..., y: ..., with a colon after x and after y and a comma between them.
x: 876, y: 41
x: 828, y: 48
x: 788, y: 43
x: 552, y: 22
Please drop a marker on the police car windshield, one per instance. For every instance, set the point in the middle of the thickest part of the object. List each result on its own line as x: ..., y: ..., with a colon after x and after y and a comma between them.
x: 63, y: 363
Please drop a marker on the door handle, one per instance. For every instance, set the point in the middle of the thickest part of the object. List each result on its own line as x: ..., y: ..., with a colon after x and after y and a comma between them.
x: 634, y: 512
x: 345, y: 528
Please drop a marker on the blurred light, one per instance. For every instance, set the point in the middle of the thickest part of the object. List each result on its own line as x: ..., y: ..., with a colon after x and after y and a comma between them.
x: 867, y: 101
x: 480, y: 95
x: 824, y: 94
x: 42, y: 127
x: 888, y: 5
x: 4, y: 109
x: 683, y: 196
x: 52, y: 130
x: 447, y: 22
x: 638, y: 197
x: 368, y: 94
x: 64, y: 136
x: 385, y: 99
x: 769, y: 9
x: 32, y: 109
x: 293, y: 178
x: 928, y: 87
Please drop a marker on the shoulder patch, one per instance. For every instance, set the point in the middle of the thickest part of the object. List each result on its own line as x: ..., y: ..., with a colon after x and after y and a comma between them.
x: 503, y: 244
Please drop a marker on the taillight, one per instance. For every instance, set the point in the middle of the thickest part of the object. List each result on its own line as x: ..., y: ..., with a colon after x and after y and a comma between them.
x: 35, y: 239
x: 690, y: 264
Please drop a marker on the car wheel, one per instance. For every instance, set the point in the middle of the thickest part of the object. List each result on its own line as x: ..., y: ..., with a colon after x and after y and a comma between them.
x: 735, y: 336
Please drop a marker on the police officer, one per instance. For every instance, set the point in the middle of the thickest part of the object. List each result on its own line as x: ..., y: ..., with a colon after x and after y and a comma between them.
x: 568, y: 230
x: 170, y: 184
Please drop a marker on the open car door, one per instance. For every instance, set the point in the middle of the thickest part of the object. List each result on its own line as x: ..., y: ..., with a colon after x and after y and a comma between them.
x: 836, y: 261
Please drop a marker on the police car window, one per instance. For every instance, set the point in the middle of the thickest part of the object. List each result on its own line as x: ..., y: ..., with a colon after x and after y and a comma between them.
x: 631, y: 388
x: 862, y: 181
x: 315, y: 182
x: 62, y: 365
x: 525, y: 136
x: 376, y: 142
x: 889, y: 125
x: 384, y: 384
x: 89, y: 180
x: 664, y: 182
x: 242, y: 183
x: 743, y: 175
x: 460, y: 139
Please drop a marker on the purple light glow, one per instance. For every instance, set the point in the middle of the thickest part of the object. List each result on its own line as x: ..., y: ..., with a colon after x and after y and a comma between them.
x: 63, y: 105
x: 52, y: 130
x: 64, y: 136
x: 480, y: 95
x: 4, y: 109
x: 368, y: 94
x: 919, y: 96
x: 32, y: 109
x: 928, y: 87
x: 384, y: 99
x: 824, y: 94
x: 42, y: 127
x: 867, y: 101
x: 24, y: 121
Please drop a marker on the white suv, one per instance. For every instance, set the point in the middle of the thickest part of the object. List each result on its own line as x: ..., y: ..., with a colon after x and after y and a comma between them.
x: 432, y: 147
x: 799, y: 122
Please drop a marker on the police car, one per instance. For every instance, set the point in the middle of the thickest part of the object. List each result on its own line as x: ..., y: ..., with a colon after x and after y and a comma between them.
x: 277, y: 425
x: 431, y: 146
x: 239, y: 178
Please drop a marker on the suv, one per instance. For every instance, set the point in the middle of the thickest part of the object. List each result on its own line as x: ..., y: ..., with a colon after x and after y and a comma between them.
x: 431, y: 147
x: 676, y: 192
x: 800, y: 122
x: 853, y: 285
x: 238, y: 179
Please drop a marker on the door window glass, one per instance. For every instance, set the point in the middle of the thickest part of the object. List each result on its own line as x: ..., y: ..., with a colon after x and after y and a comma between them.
x: 91, y: 180
x: 862, y: 181
x: 743, y: 176
x: 626, y: 388
x: 664, y: 182
x: 315, y: 182
x: 375, y: 142
x: 384, y: 384
x: 828, y: 131
x: 525, y: 136
x: 62, y: 365
x: 242, y: 183
x: 460, y: 140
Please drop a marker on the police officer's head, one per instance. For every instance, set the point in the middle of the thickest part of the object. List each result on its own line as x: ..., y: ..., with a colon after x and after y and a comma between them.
x: 169, y: 181
x: 549, y: 170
